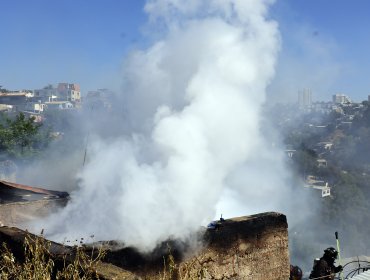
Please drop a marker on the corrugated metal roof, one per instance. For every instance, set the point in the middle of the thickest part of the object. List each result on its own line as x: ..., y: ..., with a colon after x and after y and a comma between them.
x: 4, y: 185
x: 363, y: 276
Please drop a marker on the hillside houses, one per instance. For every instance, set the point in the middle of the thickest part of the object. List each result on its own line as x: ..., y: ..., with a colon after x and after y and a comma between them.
x: 60, y: 97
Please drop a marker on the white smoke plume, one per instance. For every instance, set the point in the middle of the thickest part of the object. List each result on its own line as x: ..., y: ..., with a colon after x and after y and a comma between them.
x: 193, y: 102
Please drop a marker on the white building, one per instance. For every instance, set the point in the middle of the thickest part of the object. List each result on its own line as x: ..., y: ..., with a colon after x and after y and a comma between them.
x: 313, y: 183
x: 341, y: 99
x: 305, y: 99
x: 58, y: 105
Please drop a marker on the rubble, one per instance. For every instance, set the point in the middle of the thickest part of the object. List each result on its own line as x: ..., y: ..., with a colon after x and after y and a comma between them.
x: 20, y: 204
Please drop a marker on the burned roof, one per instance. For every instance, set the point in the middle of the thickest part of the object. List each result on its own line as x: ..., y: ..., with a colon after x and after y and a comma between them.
x: 12, y: 192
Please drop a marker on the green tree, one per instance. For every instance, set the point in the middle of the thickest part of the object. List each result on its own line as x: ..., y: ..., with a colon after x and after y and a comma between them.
x: 305, y: 161
x: 22, y: 137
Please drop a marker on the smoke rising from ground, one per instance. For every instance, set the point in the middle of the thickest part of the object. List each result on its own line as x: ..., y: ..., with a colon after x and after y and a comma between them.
x: 193, y: 145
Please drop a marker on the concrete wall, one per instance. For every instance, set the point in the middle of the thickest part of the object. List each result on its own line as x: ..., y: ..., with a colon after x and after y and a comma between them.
x: 19, y: 213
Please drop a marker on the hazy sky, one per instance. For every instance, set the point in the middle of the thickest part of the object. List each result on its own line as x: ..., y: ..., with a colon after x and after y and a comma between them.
x: 325, y: 44
x: 325, y: 47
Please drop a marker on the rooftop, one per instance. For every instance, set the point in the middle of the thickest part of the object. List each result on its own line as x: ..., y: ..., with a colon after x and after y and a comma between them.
x: 12, y: 192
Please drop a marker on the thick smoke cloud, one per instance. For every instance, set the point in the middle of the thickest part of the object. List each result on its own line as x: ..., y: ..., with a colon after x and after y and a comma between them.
x: 193, y: 145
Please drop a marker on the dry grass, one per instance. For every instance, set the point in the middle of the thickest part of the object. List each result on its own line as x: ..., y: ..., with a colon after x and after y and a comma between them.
x: 38, y: 263
x: 194, y: 269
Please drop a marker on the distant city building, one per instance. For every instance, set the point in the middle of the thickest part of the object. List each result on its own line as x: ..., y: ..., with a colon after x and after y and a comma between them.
x: 314, y: 183
x: 58, y: 105
x: 48, y: 93
x: 69, y: 92
x: 38, y: 117
x: 99, y: 99
x: 63, y: 92
x: 36, y: 102
x: 322, y: 107
x: 322, y: 163
x: 6, y: 108
x: 338, y: 109
x: 35, y: 107
x: 290, y: 153
x: 341, y: 99
x: 305, y: 99
x: 17, y: 98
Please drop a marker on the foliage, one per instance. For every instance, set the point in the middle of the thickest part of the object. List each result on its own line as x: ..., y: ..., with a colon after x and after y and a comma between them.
x: 38, y: 263
x: 60, y: 120
x: 22, y: 137
x: 305, y: 161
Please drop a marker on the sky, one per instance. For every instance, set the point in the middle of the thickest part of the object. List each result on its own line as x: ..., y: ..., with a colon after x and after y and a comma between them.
x: 324, y: 47
x: 324, y: 44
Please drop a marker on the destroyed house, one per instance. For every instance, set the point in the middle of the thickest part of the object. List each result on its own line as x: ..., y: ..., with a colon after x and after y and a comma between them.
x: 20, y: 204
x: 11, y: 192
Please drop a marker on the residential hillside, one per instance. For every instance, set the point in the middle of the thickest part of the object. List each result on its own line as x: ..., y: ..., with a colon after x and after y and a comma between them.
x: 329, y: 150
